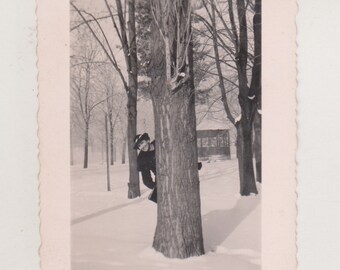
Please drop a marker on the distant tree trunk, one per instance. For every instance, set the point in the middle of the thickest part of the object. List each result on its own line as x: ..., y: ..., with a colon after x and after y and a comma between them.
x: 107, y: 135
x: 112, y: 154
x: 86, y: 145
x: 124, y: 151
x: 111, y: 139
x: 179, y: 228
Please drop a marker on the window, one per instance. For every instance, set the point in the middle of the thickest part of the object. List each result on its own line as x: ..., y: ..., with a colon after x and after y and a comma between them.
x: 205, y: 142
x: 213, y: 141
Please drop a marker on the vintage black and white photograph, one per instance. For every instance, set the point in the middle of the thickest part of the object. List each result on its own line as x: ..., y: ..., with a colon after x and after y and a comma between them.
x: 165, y: 134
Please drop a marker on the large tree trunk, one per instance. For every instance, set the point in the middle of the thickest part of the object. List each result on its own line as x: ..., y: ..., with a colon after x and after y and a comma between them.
x: 134, y: 188
x: 179, y: 228
x: 86, y: 146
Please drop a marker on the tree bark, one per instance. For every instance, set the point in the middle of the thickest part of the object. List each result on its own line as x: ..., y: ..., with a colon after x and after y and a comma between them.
x: 179, y: 228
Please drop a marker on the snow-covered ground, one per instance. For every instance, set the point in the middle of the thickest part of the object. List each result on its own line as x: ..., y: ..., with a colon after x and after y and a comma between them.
x: 110, y: 231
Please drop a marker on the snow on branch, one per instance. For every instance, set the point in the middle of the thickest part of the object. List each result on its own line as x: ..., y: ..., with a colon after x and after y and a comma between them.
x: 238, y: 118
x: 177, y: 81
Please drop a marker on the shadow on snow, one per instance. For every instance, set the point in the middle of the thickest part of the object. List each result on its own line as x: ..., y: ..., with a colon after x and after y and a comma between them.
x: 107, y: 210
x: 219, y: 224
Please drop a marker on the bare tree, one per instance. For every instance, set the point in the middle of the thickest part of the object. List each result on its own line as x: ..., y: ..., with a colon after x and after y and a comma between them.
x: 234, y: 42
x: 249, y: 96
x: 179, y: 229
x: 126, y: 33
x: 107, y: 81
x: 83, y: 65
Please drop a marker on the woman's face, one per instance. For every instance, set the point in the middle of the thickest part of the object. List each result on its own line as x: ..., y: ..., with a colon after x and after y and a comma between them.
x: 143, y: 145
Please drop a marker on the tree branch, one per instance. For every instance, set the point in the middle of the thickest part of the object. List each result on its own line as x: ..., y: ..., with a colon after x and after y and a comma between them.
x: 113, y: 21
x: 112, y: 60
x: 91, y: 20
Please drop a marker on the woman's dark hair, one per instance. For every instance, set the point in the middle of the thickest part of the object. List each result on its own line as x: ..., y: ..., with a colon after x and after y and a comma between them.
x: 139, y: 138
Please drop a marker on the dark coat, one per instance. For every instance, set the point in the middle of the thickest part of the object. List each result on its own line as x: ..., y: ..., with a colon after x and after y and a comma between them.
x: 146, y: 163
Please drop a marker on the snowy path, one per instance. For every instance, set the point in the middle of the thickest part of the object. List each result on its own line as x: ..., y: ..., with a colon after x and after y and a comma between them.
x: 110, y: 231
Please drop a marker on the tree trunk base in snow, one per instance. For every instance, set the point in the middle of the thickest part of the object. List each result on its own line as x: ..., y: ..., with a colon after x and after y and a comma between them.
x: 247, y: 177
x: 134, y: 191
x: 186, y: 252
x: 245, y: 159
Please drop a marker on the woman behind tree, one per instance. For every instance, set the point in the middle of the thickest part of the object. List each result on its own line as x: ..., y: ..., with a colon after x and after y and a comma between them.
x: 146, y: 162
